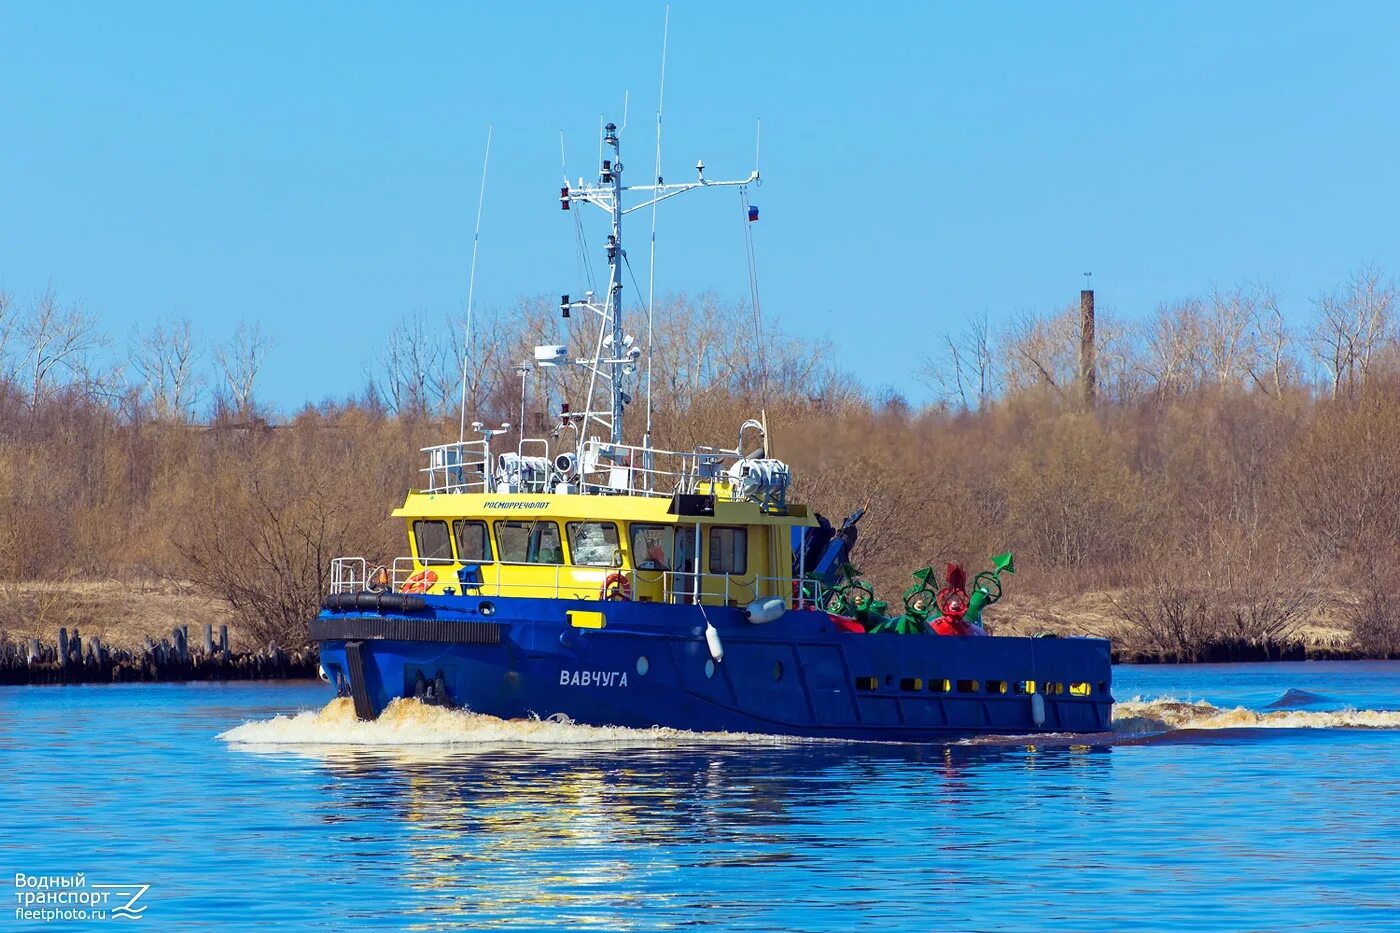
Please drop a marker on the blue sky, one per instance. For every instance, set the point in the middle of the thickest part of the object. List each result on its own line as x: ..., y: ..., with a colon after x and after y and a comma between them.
x: 314, y: 166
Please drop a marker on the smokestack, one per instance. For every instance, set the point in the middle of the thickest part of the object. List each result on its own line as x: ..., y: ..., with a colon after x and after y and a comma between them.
x: 1088, y: 366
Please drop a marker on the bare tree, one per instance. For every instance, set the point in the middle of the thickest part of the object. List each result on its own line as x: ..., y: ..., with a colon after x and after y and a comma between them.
x: 268, y: 557
x: 1353, y: 325
x: 1275, y: 365
x: 415, y: 370
x: 57, y: 343
x: 1043, y: 352
x: 7, y: 328
x: 1172, y: 358
x: 240, y: 361
x: 1230, y: 337
x: 163, y: 359
x: 967, y: 372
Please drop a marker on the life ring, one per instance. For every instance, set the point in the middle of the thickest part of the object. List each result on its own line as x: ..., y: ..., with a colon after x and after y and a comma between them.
x: 420, y: 582
x: 615, y: 586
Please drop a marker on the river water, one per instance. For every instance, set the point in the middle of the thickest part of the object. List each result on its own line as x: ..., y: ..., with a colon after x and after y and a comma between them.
x: 254, y: 805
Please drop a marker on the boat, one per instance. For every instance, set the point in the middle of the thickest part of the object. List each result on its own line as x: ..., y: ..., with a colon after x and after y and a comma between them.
x: 623, y: 584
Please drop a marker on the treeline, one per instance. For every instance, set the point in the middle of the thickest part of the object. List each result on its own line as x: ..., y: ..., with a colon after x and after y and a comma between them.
x: 1238, y: 478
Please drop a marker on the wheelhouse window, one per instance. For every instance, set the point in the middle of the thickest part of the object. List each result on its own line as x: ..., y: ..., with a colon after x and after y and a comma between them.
x: 594, y: 544
x: 433, y: 542
x: 473, y: 541
x: 729, y: 550
x: 529, y: 542
x: 663, y: 547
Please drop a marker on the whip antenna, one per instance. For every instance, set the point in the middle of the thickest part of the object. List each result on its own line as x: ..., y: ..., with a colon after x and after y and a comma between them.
x: 651, y: 276
x: 750, y: 216
x: 471, y: 288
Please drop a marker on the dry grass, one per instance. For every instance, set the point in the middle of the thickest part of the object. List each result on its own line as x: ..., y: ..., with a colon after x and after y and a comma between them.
x: 1320, y: 628
x: 121, y: 613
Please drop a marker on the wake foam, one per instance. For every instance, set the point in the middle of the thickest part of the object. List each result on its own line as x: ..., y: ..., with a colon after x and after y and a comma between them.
x: 409, y: 722
x: 1139, y: 716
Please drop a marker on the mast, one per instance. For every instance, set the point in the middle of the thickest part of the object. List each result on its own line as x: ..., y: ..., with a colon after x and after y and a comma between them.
x: 615, y: 357
x: 615, y: 257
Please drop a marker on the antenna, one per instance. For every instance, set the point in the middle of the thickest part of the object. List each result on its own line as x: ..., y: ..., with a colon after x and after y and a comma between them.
x: 651, y: 276
x: 524, y: 369
x: 616, y: 355
x: 471, y: 287
x: 751, y: 215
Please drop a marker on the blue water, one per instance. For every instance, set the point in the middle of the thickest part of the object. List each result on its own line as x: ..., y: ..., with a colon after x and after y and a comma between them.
x: 1201, y: 829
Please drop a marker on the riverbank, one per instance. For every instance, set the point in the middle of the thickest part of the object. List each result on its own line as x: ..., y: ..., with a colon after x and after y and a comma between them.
x: 129, y: 631
x: 124, y: 631
x: 1318, y: 636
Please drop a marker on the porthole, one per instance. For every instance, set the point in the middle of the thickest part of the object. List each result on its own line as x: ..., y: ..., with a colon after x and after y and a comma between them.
x: 643, y: 665
x: 709, y: 668
x: 777, y: 670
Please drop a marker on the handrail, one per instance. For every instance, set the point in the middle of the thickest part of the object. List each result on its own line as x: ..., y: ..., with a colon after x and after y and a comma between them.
x: 627, y: 469
x: 460, y: 467
x: 351, y: 574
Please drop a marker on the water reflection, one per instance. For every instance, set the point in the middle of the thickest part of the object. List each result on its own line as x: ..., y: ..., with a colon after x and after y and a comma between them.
x: 516, y: 835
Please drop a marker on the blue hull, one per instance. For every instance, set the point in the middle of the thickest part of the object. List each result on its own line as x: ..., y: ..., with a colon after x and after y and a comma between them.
x: 650, y: 665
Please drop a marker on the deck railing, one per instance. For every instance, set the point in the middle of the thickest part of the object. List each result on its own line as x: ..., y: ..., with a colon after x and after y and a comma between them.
x: 604, y: 467
x: 460, y: 467
x: 566, y: 581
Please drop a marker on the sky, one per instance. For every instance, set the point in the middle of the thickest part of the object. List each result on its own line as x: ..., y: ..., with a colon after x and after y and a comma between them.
x: 315, y: 167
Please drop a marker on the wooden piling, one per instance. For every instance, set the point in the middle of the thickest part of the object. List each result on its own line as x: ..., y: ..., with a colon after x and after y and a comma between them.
x: 69, y: 661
